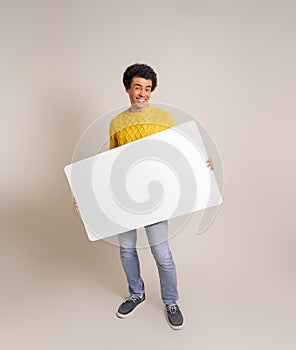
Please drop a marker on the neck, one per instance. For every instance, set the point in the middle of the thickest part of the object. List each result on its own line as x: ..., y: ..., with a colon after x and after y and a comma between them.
x: 136, y: 108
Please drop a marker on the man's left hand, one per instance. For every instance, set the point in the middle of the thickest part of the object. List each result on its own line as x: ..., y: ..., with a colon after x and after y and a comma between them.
x: 210, y: 163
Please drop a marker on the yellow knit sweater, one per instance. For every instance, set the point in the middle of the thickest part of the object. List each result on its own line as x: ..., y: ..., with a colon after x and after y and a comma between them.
x: 130, y: 126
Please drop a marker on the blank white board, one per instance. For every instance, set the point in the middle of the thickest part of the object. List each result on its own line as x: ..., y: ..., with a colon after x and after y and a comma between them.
x: 156, y: 178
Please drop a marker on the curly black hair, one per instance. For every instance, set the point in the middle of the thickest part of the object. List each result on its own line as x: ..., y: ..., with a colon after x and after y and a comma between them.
x: 141, y: 71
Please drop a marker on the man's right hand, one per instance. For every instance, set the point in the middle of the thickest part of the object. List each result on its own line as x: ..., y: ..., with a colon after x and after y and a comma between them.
x: 76, y: 209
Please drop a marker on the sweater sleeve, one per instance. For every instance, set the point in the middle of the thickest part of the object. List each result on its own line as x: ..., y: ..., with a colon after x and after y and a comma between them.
x: 112, y: 140
x: 171, y: 120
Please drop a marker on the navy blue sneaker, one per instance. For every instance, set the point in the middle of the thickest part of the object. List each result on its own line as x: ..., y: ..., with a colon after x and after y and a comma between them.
x: 130, y: 303
x: 175, y: 317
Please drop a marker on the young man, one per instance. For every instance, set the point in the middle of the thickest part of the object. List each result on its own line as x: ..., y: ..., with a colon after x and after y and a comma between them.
x: 142, y: 120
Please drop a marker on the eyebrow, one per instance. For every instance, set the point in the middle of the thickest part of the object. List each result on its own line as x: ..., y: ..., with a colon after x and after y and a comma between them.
x: 142, y: 85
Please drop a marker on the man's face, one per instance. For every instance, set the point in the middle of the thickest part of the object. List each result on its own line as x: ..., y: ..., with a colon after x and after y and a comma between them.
x: 139, y: 92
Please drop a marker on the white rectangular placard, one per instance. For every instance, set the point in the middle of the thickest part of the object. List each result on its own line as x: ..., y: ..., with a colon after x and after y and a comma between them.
x: 155, y: 178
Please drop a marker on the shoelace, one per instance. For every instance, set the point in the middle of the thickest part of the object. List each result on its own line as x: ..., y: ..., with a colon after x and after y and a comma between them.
x: 172, y: 308
x: 133, y: 298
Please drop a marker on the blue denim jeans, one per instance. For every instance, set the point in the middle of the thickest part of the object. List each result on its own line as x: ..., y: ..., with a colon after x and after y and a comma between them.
x: 157, y: 235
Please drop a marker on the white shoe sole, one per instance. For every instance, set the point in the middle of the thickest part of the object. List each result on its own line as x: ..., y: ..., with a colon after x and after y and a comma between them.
x: 176, y: 328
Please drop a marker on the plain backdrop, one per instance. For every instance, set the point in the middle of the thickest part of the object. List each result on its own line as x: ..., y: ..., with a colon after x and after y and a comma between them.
x: 229, y: 63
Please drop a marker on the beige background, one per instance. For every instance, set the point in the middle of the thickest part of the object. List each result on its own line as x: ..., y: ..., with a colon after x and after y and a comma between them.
x: 230, y: 63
